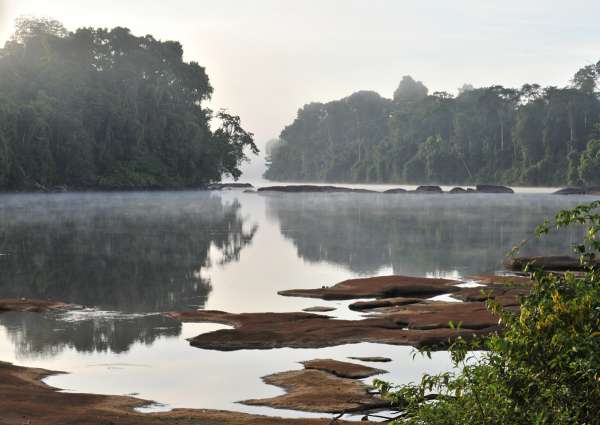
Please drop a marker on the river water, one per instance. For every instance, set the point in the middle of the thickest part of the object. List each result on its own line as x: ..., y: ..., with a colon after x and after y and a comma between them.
x: 126, y: 257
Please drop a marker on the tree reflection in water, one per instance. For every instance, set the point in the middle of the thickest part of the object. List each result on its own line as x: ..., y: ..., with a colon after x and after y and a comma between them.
x: 416, y: 234
x: 134, y: 253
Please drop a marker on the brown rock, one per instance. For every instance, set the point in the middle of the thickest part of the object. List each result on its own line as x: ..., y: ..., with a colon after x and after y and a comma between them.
x: 307, y: 188
x: 318, y: 391
x: 221, y: 186
x: 372, y: 359
x: 305, y: 330
x: 383, y: 302
x: 571, y: 191
x: 319, y: 309
x: 24, y: 399
x: 551, y: 263
x: 35, y: 306
x: 505, y: 296
x: 428, y: 189
x: 505, y: 280
x: 378, y: 287
x: 439, y: 315
x: 490, y: 188
x: 395, y: 190
x: 342, y: 369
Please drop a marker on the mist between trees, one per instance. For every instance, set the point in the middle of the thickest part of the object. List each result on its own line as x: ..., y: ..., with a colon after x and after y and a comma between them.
x: 98, y: 108
x: 531, y: 136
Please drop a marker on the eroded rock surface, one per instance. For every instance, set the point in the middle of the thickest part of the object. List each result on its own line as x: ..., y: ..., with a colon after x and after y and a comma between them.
x: 24, y: 399
x: 307, y: 188
x: 395, y: 190
x: 27, y: 305
x: 551, y: 263
x: 378, y: 287
x: 428, y: 189
x: 221, y: 186
x: 305, y: 330
x: 342, y: 369
x: 439, y: 315
x: 490, y: 188
x: 383, y: 302
x: 319, y: 391
x: 319, y: 309
x: 372, y: 359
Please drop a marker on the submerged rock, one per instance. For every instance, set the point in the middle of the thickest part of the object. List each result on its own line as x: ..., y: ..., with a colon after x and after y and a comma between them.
x: 378, y: 287
x: 319, y: 391
x: 490, y: 188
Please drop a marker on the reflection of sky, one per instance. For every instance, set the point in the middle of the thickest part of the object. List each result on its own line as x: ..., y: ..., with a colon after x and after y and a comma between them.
x: 174, y: 373
x: 155, y: 361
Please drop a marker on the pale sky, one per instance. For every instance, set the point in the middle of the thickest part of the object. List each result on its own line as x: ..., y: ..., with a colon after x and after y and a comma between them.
x: 267, y: 58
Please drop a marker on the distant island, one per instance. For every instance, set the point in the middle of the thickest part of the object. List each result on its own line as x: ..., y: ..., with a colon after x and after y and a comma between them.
x: 104, y: 109
x: 528, y: 136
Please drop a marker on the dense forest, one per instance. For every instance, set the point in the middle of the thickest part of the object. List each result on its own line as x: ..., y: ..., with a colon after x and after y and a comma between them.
x: 98, y: 108
x: 532, y: 136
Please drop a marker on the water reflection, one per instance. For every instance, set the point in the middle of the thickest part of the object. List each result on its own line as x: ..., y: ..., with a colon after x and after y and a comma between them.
x: 130, y: 253
x: 417, y: 234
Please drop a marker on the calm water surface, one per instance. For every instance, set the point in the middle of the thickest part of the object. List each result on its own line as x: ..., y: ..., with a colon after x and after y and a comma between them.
x: 127, y: 257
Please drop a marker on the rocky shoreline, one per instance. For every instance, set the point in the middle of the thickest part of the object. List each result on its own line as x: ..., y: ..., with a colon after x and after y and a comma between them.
x: 423, y: 189
x: 396, y: 310
x: 25, y: 399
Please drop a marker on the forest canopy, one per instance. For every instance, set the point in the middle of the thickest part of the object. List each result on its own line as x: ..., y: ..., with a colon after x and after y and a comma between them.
x: 532, y: 135
x: 105, y: 109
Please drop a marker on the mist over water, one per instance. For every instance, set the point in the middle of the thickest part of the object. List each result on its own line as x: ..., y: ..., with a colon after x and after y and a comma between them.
x: 127, y: 257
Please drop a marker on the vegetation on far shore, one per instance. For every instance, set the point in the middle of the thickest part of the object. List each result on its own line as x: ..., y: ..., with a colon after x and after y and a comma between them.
x: 528, y: 136
x: 544, y: 368
x: 104, y: 109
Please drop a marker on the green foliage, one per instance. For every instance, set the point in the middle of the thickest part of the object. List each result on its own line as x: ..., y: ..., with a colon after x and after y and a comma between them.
x: 590, y: 163
x: 99, y: 108
x: 492, y: 134
x: 544, y: 368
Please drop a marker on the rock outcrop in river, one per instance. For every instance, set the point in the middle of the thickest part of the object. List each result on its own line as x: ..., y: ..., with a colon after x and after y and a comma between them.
x: 323, y: 386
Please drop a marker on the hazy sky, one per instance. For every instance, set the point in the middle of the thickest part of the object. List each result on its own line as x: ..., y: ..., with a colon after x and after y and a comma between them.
x: 267, y: 58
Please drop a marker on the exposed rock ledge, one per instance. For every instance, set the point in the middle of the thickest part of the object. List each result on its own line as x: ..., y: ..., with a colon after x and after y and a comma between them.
x: 342, y: 369
x: 221, y: 186
x: 307, y: 188
x: 315, y: 389
x: 24, y: 399
x: 551, y: 263
x: 378, y: 287
x: 35, y: 306
x: 377, y: 359
x: 398, y: 321
x: 304, y: 330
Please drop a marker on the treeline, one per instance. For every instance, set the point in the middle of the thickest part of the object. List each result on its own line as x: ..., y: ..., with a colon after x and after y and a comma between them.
x: 531, y: 136
x: 99, y: 108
